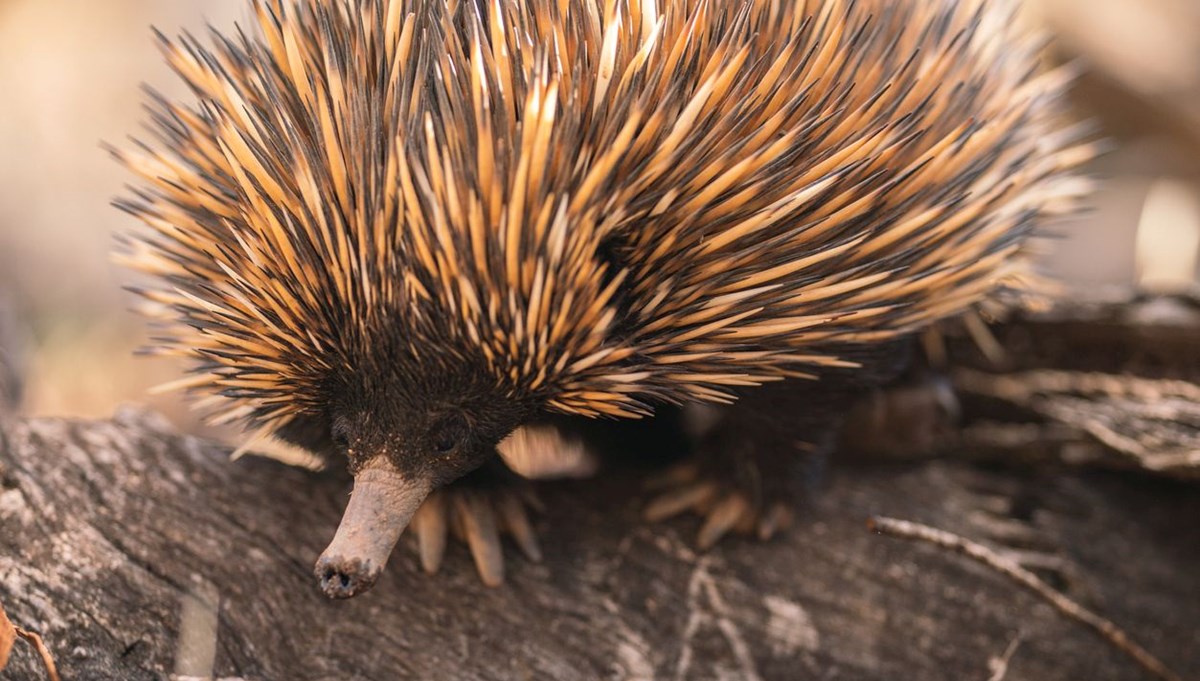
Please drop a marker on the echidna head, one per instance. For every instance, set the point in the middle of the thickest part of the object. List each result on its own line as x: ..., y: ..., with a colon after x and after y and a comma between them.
x: 406, y: 433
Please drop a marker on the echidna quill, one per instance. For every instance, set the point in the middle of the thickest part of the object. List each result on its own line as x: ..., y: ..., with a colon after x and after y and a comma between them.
x: 401, y: 230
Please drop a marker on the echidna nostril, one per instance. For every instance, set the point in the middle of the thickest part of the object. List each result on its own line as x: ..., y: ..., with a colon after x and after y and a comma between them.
x: 341, y: 577
x: 338, y: 583
x: 331, y: 577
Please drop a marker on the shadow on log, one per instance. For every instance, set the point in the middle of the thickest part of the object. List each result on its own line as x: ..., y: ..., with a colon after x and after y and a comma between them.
x: 140, y: 554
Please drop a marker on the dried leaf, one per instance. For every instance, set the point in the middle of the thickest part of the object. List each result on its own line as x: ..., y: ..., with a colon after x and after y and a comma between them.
x: 8, y: 636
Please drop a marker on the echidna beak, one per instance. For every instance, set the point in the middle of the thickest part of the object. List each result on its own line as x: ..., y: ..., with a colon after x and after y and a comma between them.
x: 381, y: 506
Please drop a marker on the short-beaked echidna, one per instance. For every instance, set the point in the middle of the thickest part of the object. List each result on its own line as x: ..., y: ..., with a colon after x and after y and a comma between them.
x: 403, y: 229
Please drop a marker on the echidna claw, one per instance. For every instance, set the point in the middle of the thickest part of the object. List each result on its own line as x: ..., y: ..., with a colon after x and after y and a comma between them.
x: 430, y: 527
x: 515, y: 518
x: 732, y: 511
x: 777, y: 518
x: 695, y: 496
x: 478, y: 516
x: 476, y: 523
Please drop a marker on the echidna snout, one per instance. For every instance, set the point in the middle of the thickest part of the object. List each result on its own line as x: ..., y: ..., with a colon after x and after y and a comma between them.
x: 381, y: 506
x: 341, y: 578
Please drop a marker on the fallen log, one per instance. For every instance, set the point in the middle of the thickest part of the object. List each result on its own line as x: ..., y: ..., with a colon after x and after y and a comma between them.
x: 140, y: 553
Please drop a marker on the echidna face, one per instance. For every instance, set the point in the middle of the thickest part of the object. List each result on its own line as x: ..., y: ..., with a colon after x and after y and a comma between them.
x: 405, y: 433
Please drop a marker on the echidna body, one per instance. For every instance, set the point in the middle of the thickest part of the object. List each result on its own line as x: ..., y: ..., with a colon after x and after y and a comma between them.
x: 402, y: 229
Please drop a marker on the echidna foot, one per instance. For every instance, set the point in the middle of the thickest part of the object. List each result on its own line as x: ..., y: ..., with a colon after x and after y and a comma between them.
x: 724, y: 506
x: 478, y: 512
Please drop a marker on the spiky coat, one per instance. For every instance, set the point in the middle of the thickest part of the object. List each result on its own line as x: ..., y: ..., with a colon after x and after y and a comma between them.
x: 604, y: 203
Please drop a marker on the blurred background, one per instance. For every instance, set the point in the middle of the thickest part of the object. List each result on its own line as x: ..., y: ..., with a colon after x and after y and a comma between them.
x: 70, y: 73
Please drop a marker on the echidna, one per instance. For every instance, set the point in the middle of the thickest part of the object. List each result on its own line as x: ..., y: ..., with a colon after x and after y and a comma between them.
x: 403, y: 229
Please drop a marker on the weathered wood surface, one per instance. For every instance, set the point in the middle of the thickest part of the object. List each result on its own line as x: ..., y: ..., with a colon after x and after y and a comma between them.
x: 139, y: 553
x: 112, y: 531
x: 1111, y: 385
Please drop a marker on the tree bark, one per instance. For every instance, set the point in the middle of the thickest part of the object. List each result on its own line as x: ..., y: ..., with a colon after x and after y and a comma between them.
x: 139, y: 553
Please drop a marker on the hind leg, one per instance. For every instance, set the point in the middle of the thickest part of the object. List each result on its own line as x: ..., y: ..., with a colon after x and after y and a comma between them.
x: 754, y: 459
x: 751, y: 462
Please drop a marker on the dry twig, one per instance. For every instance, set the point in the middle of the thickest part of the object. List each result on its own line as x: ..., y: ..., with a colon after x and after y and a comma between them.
x: 999, y: 665
x: 47, y: 659
x: 904, y: 529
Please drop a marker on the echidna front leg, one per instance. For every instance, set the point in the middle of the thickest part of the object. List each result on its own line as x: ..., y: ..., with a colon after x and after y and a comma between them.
x: 478, y: 509
x: 756, y: 457
x: 495, y: 500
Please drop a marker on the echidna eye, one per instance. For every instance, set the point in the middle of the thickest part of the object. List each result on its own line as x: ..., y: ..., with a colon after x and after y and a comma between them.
x: 449, y: 433
x: 340, y: 436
